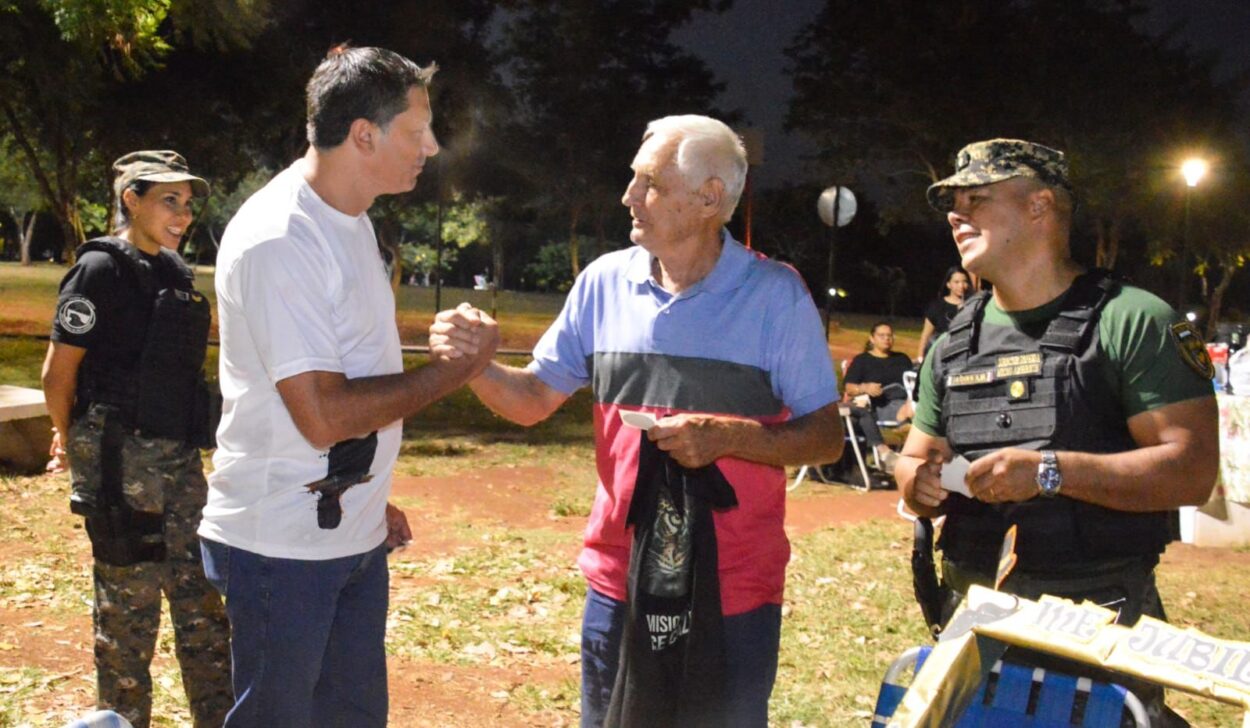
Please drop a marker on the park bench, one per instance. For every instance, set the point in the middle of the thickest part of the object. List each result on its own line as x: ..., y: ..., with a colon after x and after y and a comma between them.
x: 25, y: 429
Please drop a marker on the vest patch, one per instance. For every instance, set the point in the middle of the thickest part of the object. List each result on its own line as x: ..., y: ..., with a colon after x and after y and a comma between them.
x: 1018, y: 365
x: 1018, y: 390
x: 970, y: 379
x: 1192, y: 349
x: 77, y: 314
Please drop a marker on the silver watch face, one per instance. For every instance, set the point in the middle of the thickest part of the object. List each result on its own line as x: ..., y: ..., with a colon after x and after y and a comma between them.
x: 1049, y: 480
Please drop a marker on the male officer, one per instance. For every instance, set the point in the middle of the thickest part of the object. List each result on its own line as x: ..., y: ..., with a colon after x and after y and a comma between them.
x: 1083, y: 403
x: 690, y: 324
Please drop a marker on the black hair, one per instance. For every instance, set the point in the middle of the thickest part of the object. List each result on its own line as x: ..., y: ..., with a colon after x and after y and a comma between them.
x: 359, y: 83
x: 872, y: 330
x: 121, y: 217
x: 944, y: 287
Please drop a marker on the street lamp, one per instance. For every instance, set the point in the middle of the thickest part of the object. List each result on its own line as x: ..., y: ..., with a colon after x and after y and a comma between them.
x: 1193, y: 170
x: 836, y: 207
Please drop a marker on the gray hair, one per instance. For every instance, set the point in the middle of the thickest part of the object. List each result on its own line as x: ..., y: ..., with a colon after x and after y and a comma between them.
x: 706, y: 148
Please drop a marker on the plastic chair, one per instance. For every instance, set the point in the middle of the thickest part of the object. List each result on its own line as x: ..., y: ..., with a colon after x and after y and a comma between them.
x: 866, y: 466
x: 1017, y: 695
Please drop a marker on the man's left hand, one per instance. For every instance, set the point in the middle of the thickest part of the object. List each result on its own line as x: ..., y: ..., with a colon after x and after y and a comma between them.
x: 398, y: 534
x: 694, y: 440
x: 1004, y: 476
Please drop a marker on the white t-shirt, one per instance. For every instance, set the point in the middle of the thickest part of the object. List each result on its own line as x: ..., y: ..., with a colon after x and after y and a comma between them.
x: 300, y: 287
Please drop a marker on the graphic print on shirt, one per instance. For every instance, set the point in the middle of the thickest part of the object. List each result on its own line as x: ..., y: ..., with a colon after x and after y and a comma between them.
x: 666, y: 574
x: 76, y: 314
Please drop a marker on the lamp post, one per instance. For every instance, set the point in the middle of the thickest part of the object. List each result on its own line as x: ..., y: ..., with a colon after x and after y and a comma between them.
x: 836, y: 207
x: 1193, y: 170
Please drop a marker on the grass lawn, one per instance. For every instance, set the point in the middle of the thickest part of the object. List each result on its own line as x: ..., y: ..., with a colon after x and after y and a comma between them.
x: 490, y: 601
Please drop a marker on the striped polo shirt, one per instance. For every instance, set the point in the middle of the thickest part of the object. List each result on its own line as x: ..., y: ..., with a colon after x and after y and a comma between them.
x: 745, y: 341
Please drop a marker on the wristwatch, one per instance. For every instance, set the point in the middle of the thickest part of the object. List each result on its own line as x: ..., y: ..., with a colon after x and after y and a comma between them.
x: 1049, y: 479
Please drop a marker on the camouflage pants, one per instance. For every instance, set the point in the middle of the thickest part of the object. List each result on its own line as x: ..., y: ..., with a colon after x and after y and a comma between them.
x: 162, y: 476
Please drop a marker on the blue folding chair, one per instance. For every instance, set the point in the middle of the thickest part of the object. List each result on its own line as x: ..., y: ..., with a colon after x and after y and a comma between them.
x: 1016, y: 695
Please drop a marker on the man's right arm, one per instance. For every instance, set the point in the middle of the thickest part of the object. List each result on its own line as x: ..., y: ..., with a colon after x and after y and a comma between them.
x: 513, y: 393
x: 919, y: 472
x: 516, y: 394
x: 327, y: 407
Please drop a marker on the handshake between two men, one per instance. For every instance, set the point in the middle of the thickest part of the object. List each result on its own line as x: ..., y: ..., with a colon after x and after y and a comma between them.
x: 467, y: 336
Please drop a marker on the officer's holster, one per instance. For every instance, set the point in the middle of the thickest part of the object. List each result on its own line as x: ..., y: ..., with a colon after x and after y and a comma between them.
x: 120, y: 535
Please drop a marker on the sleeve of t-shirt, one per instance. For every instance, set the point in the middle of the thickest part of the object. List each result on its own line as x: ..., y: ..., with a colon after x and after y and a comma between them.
x: 561, y: 353
x: 800, y: 368
x: 928, y: 417
x: 285, y: 292
x: 1147, y: 367
x: 934, y: 312
x: 86, y: 303
x: 856, y: 370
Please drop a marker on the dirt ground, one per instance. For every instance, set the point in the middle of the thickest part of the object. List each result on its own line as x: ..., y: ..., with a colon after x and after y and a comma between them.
x: 428, y: 694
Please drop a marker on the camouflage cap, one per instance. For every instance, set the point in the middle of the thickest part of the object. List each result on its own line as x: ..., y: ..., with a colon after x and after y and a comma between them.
x: 983, y: 163
x: 159, y: 165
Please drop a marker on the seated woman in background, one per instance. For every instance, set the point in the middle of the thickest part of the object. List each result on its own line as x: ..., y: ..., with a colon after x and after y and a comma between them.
x: 940, y: 311
x: 878, y: 375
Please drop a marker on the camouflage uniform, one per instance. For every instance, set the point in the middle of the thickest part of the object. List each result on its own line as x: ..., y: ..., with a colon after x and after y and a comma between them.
x: 995, y: 160
x: 166, y: 476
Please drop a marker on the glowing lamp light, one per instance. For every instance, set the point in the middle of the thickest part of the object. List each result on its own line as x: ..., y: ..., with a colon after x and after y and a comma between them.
x: 837, y: 293
x: 1193, y: 170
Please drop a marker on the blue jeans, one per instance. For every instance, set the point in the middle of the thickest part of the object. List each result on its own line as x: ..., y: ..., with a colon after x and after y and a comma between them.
x: 306, y: 637
x: 752, y: 640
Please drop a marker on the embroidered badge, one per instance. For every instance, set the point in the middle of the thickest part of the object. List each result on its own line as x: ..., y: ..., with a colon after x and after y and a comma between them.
x: 970, y: 379
x: 1018, y: 390
x: 1192, y: 349
x: 1018, y: 365
x: 76, y: 314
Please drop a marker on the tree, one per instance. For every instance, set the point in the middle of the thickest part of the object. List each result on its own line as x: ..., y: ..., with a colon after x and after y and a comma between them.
x: 219, y: 209
x: 1213, y: 221
x: 20, y: 198
x: 589, y: 75
x: 61, y: 64
x: 890, y: 90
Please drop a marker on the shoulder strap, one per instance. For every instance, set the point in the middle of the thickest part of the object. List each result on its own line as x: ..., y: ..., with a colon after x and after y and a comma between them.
x: 128, y: 258
x: 178, y: 269
x: 961, y: 338
x: 1081, y: 307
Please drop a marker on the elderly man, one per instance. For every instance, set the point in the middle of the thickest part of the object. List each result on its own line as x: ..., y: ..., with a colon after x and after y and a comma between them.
x: 297, y: 525
x: 725, y: 348
x: 1084, y: 404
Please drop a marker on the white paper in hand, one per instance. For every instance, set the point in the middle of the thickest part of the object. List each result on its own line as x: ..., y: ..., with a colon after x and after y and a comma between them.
x: 953, y: 476
x: 641, y: 420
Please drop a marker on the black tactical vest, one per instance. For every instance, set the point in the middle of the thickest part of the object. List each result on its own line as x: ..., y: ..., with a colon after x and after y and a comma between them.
x: 1038, y: 390
x: 162, y: 395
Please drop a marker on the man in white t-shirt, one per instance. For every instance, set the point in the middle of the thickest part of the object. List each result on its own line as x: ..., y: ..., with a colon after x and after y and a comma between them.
x: 297, y: 525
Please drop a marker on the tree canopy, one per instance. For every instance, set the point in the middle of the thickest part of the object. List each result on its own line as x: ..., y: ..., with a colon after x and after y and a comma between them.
x: 890, y: 91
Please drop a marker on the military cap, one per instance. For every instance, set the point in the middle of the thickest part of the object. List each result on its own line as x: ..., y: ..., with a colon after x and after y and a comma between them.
x: 159, y: 165
x: 983, y: 163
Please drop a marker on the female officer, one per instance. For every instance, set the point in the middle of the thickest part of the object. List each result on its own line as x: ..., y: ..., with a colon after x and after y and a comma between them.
x: 124, y: 386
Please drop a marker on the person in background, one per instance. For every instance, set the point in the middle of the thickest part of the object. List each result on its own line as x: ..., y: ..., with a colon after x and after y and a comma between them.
x: 124, y: 388
x: 877, y: 374
x: 939, y: 312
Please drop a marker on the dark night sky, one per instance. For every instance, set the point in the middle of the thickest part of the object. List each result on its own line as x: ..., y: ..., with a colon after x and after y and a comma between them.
x: 745, y: 45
